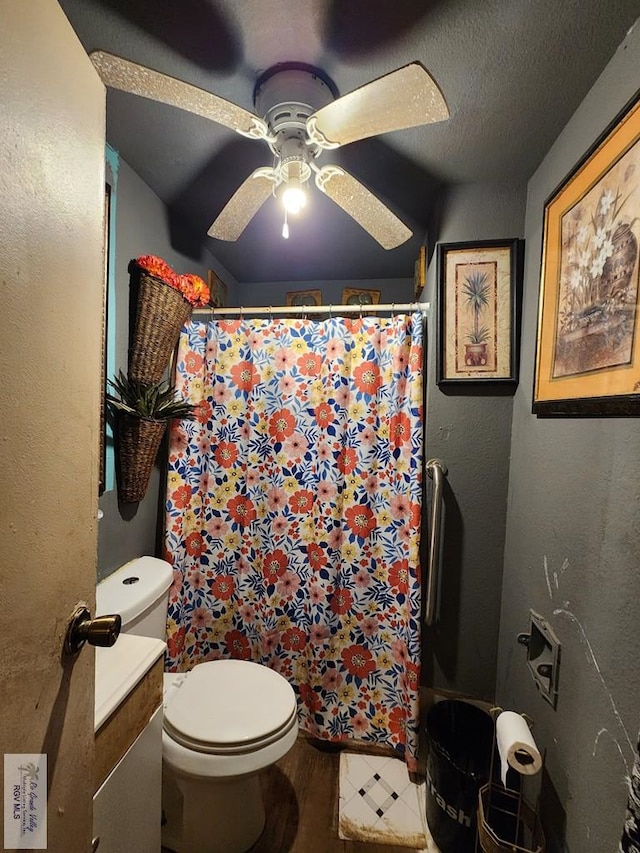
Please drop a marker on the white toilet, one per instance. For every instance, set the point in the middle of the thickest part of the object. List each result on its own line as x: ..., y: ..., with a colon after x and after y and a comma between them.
x: 224, y: 722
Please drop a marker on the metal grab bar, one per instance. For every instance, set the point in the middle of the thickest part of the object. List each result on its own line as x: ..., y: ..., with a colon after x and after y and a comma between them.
x: 436, y: 469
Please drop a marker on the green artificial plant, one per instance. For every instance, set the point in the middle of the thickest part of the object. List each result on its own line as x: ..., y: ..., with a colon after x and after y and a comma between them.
x: 151, y: 402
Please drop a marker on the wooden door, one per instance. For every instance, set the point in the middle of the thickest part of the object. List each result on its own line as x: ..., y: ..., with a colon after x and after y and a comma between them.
x: 52, y: 105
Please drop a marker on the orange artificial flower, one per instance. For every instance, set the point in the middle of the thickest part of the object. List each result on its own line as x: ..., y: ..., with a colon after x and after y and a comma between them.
x: 191, y: 286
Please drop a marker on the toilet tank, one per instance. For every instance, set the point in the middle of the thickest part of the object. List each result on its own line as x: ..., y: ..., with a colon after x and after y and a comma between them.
x: 139, y: 592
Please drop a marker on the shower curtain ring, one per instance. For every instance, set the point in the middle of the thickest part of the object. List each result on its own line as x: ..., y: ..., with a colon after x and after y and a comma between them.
x: 330, y: 311
x: 241, y: 314
x: 270, y: 313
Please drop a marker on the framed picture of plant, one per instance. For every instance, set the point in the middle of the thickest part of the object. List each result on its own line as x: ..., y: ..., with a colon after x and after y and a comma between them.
x: 478, y: 292
x: 588, y: 341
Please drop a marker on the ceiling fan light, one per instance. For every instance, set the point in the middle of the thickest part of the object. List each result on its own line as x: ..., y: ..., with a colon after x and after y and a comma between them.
x: 293, y: 198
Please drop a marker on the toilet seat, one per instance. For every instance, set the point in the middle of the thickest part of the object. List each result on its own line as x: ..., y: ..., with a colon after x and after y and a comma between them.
x: 229, y: 707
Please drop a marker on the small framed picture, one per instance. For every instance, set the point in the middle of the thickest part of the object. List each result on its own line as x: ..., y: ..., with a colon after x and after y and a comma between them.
x: 304, y: 297
x: 478, y: 292
x: 588, y: 340
x: 360, y: 296
x: 218, y: 290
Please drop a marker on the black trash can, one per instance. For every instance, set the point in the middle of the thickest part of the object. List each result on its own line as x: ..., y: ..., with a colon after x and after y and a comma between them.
x: 458, y: 763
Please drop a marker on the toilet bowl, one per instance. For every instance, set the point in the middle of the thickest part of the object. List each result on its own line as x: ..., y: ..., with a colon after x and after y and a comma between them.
x: 224, y: 722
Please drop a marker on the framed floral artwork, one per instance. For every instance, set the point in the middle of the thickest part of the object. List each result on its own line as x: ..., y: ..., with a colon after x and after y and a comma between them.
x: 304, y: 297
x: 588, y: 339
x: 360, y: 296
x: 478, y: 291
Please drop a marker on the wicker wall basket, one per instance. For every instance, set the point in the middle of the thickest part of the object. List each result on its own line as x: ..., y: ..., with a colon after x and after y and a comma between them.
x: 138, y: 444
x: 161, y: 313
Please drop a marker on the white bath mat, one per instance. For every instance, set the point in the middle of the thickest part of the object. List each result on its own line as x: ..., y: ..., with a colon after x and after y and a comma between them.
x: 379, y: 803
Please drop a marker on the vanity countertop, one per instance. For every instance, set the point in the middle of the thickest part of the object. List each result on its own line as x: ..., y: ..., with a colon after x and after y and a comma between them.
x: 120, y: 668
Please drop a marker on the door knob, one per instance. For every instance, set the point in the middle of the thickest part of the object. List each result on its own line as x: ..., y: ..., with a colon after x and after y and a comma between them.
x: 101, y: 631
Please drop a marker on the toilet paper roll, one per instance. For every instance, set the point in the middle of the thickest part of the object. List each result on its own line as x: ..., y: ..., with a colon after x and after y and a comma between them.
x: 516, y: 746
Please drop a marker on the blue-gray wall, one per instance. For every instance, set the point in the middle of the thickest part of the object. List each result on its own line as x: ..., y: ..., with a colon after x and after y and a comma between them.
x: 470, y: 430
x: 275, y: 293
x: 142, y: 228
x: 573, y: 548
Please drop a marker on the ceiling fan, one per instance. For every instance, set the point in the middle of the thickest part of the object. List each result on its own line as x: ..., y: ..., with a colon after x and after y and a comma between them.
x: 299, y: 116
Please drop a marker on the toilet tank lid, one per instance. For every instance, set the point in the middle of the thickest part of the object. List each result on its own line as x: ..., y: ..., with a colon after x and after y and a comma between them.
x: 134, y: 587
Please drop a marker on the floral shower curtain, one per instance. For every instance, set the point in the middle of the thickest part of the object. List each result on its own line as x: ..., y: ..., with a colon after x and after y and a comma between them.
x: 293, y: 514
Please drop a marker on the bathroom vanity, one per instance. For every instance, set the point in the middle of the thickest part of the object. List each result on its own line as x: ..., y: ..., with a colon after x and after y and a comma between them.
x: 128, y: 746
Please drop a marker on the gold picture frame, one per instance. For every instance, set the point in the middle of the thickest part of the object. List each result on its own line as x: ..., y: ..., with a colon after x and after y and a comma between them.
x: 298, y: 298
x: 479, y: 287
x: 217, y: 289
x: 420, y: 273
x: 588, y: 337
x: 360, y: 296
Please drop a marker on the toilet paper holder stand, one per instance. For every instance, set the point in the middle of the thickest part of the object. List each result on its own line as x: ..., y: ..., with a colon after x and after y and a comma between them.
x: 515, y: 816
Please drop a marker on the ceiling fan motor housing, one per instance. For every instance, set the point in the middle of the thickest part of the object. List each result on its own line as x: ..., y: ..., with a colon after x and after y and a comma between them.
x: 285, y: 96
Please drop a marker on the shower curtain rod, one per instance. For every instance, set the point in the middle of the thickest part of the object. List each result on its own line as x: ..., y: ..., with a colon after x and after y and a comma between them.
x: 314, y: 309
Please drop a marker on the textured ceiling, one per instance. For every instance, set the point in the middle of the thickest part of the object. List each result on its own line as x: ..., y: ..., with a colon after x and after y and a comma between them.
x: 512, y: 72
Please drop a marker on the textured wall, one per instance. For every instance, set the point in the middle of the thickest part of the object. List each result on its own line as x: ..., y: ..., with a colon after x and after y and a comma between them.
x: 142, y: 228
x: 469, y: 429
x: 572, y: 548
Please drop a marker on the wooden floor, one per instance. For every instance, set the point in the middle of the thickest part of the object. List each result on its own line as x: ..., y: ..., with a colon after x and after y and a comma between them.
x: 301, y: 801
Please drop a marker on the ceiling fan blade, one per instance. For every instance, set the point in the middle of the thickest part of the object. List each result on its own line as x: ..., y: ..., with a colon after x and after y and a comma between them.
x: 404, y: 98
x: 367, y: 210
x: 127, y: 76
x: 243, y: 205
